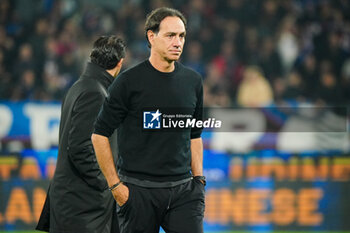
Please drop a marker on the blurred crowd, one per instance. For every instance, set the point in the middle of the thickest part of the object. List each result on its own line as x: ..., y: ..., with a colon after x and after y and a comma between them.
x: 250, y: 52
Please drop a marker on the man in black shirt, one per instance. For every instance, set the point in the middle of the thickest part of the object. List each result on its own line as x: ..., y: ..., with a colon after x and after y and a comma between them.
x: 78, y: 199
x: 159, y: 179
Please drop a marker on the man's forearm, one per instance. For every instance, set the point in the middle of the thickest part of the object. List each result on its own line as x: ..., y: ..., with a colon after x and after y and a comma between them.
x: 105, y: 158
x: 197, y: 156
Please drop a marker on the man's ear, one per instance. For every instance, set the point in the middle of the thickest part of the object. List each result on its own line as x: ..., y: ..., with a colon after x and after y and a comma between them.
x: 115, y: 71
x: 150, y: 36
x: 120, y: 63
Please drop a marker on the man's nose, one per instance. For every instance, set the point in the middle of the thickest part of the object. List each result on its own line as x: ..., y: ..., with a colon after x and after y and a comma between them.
x: 177, y: 41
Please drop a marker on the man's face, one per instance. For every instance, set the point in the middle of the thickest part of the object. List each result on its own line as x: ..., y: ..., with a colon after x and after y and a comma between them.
x: 170, y: 39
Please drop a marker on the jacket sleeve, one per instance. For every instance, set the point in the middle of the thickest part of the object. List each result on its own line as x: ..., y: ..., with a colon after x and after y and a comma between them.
x: 80, y: 149
x: 44, y: 219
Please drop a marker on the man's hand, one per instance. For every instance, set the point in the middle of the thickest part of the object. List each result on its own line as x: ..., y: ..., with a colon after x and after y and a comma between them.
x: 121, y: 194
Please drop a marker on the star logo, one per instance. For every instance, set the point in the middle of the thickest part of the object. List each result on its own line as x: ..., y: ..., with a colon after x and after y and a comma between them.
x: 156, y: 115
x: 151, y: 119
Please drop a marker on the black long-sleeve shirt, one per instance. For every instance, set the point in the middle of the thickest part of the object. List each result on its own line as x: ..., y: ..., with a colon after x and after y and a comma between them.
x: 155, y: 155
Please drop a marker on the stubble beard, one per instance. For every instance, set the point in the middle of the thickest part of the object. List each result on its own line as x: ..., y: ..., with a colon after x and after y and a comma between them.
x: 169, y: 59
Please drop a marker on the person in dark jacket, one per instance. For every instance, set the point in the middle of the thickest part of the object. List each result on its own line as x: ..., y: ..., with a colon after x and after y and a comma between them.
x: 78, y: 199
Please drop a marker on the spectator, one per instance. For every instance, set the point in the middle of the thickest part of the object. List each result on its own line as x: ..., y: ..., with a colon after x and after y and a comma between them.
x: 194, y: 57
x: 255, y: 90
x: 269, y: 60
x: 279, y: 36
x: 345, y: 82
x: 25, y: 90
x: 5, y: 79
x: 309, y: 74
x: 37, y: 42
x: 287, y: 44
x: 328, y: 91
x: 295, y: 87
x: 25, y: 60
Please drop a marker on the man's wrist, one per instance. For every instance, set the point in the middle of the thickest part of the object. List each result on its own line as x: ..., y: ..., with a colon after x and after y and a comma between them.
x: 201, y: 179
x: 116, y: 185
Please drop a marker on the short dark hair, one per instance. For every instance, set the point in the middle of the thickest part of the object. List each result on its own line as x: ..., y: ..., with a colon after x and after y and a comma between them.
x: 154, y: 19
x: 107, y: 51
